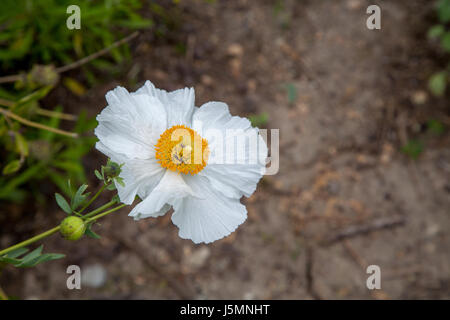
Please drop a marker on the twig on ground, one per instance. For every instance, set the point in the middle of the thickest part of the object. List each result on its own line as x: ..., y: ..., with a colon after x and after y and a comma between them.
x: 310, y: 274
x: 376, y: 294
x: 353, y: 231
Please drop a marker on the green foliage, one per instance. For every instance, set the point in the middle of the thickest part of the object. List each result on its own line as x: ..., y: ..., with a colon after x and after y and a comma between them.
x: 32, y: 154
x: 291, y: 91
x: 435, y: 127
x: 441, y: 33
x: 438, y: 83
x: 36, y: 32
x: 259, y: 120
x: 110, y: 173
x: 31, y: 259
x: 62, y: 203
x: 91, y: 233
x: 413, y: 149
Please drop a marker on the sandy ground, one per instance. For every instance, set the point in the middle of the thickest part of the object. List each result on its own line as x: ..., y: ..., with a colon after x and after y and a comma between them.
x: 345, y: 197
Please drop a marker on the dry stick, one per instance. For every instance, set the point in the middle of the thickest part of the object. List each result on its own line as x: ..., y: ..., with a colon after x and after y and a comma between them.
x: 352, y: 231
x: 79, y: 63
x: 93, y: 56
x: 56, y: 114
x: 14, y: 116
x: 6, y: 103
x: 377, y: 294
x: 43, y: 112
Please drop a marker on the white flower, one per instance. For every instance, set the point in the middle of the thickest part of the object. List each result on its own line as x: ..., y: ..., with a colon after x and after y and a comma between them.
x: 137, y: 129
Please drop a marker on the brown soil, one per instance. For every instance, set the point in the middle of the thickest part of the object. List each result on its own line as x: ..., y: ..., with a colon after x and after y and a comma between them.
x: 345, y: 197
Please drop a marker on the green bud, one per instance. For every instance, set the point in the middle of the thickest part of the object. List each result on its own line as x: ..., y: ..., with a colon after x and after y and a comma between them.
x: 72, y: 228
x: 112, y: 169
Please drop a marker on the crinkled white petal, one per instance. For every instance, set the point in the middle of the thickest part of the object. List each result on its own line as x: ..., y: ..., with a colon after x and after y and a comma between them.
x: 156, y: 214
x: 179, y: 103
x: 241, y: 176
x: 140, y: 176
x: 171, y: 187
x: 208, y: 219
x: 131, y: 124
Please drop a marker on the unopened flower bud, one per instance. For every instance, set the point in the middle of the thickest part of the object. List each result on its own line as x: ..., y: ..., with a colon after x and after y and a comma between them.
x: 72, y: 228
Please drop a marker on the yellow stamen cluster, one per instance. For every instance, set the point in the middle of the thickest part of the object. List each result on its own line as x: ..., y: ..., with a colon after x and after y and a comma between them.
x: 181, y: 149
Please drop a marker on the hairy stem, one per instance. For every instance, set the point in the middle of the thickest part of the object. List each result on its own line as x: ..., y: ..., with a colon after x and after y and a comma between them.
x: 105, y: 213
x: 31, y: 240
x: 93, y: 198
x: 105, y: 206
x: 56, y: 229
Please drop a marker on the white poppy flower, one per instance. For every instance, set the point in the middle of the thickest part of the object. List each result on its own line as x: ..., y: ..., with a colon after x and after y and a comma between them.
x: 138, y: 129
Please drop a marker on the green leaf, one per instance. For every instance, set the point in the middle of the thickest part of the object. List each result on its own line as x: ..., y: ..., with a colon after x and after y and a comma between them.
x: 42, y: 258
x: 259, y: 120
x: 79, y: 197
x: 32, y: 255
x: 74, y: 86
x: 111, y: 187
x: 16, y: 253
x: 291, y: 93
x: 119, y: 180
x: 444, y: 10
x: 62, y: 203
x: 12, y: 167
x: 98, y: 175
x: 413, y: 149
x: 445, y: 42
x: 436, y: 31
x: 438, y: 83
x: 435, y: 127
x: 91, y: 233
x: 9, y: 260
x: 21, y: 144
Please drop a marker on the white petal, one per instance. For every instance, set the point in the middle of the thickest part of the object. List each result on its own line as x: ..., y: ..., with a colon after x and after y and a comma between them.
x: 208, y: 219
x: 241, y: 176
x: 131, y: 124
x: 159, y: 213
x: 140, y: 176
x: 171, y: 187
x: 179, y: 104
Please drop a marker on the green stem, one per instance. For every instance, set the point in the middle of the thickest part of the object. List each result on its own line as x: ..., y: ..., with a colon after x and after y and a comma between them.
x: 30, y: 241
x: 93, y: 198
x: 105, y: 213
x: 103, y: 207
x: 56, y: 229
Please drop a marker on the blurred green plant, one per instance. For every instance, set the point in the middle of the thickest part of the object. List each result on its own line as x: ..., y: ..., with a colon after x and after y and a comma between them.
x: 74, y: 225
x: 413, y: 149
x: 34, y: 37
x: 259, y: 120
x: 440, y: 32
x: 33, y: 148
x: 35, y: 32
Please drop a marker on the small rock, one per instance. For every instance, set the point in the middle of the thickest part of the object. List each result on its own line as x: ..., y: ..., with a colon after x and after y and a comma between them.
x: 419, y: 97
x: 235, y: 50
x: 206, y: 80
x: 195, y: 259
x: 93, y: 276
x: 354, y: 4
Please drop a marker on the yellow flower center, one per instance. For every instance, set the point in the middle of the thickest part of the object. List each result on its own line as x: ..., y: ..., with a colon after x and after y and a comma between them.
x: 181, y: 149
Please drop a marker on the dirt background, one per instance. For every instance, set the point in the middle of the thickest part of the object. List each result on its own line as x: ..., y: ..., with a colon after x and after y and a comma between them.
x: 345, y: 196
